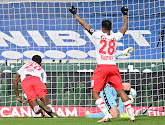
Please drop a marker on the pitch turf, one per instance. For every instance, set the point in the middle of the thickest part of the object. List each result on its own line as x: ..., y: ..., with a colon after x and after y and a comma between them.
x: 140, y: 120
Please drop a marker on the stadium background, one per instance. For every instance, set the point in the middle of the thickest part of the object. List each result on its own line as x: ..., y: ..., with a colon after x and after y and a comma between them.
x: 48, y: 29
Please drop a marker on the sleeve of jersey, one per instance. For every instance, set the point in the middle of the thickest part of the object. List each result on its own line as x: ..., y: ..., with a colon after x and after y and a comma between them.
x: 97, y: 34
x: 20, y: 70
x: 118, y: 36
x: 44, y: 80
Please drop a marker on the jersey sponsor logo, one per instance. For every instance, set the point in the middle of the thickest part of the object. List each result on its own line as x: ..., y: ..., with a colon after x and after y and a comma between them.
x: 60, y: 39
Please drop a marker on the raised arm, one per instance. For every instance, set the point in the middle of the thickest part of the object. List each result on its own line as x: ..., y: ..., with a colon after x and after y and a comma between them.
x: 80, y: 20
x: 16, y: 80
x: 124, y: 10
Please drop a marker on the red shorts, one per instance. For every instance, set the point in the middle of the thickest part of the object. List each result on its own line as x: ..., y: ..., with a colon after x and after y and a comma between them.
x: 32, y: 87
x: 104, y: 74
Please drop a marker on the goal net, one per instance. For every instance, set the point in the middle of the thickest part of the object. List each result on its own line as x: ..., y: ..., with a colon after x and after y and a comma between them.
x: 48, y: 29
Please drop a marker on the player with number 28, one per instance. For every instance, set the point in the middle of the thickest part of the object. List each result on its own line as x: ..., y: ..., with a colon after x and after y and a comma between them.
x: 106, y: 70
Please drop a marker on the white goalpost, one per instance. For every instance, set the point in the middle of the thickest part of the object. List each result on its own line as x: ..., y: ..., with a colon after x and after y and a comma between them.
x: 47, y: 28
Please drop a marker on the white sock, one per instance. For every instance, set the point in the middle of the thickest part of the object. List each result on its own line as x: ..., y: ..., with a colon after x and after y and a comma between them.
x: 101, y: 105
x: 36, y: 109
x: 129, y: 109
x: 127, y: 104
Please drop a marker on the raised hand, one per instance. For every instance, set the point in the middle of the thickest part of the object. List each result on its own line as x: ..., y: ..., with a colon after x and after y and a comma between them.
x: 124, y: 10
x: 72, y: 9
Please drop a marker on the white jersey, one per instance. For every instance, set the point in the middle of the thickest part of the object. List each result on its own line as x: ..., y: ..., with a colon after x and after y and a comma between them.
x: 34, y: 69
x: 105, y: 46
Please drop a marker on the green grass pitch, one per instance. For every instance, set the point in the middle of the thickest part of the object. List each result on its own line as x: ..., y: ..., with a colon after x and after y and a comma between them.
x: 140, y: 120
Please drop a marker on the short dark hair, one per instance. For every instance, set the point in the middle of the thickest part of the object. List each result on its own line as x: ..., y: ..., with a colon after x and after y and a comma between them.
x: 37, y: 59
x: 106, y: 24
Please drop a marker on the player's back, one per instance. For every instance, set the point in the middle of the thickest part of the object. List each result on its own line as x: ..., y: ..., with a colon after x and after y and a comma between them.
x: 105, y: 46
x: 31, y: 68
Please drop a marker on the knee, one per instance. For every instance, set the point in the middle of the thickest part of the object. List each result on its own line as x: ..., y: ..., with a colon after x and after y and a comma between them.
x: 36, y: 109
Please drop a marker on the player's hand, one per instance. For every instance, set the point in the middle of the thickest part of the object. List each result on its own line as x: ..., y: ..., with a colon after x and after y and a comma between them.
x: 72, y: 9
x: 124, y: 10
x: 20, y: 100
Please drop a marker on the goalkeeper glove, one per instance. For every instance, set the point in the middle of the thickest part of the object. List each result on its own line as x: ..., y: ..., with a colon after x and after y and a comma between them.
x: 124, y: 10
x: 72, y: 10
x: 131, y: 98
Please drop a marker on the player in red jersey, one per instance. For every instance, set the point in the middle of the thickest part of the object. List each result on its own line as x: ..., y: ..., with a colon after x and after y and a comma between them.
x: 106, y: 70
x: 33, y: 77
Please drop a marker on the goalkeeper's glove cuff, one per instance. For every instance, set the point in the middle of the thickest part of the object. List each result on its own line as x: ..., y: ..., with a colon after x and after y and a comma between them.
x: 131, y: 98
x: 124, y: 10
x: 72, y: 10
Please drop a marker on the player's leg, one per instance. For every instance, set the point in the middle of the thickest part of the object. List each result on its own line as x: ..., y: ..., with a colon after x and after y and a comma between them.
x: 98, y: 82
x: 40, y: 90
x: 109, y: 98
x: 120, y: 108
x: 114, y: 112
x: 127, y: 103
x: 127, y: 87
x: 101, y: 105
x: 116, y: 82
x: 95, y: 115
x: 121, y: 105
x: 44, y: 104
x: 30, y: 95
x: 36, y: 108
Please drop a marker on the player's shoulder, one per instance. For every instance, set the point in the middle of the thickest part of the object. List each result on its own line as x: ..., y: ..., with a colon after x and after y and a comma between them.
x: 117, y: 34
x: 97, y: 33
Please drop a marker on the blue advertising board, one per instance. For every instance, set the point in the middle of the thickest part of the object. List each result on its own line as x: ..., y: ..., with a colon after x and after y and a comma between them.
x: 48, y: 28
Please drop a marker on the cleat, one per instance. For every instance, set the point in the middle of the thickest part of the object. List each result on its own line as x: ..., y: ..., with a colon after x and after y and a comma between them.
x: 87, y: 113
x: 48, y: 110
x: 123, y: 115
x: 54, y: 115
x: 105, y: 119
x: 131, y: 120
x: 127, y: 51
x: 131, y: 114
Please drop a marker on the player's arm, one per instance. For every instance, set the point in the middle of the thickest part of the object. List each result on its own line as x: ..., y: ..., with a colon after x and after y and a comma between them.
x: 81, y: 21
x: 124, y: 10
x: 16, y: 81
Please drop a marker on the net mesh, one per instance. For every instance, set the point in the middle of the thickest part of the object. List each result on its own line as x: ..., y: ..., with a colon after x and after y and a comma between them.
x: 48, y: 29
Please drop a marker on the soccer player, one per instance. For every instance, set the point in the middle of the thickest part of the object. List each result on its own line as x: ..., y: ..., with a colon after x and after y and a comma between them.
x: 109, y: 96
x: 33, y: 77
x: 106, y: 70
